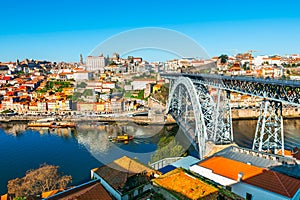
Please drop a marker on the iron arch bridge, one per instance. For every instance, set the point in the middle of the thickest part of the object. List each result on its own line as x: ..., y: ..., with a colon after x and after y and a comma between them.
x: 200, y: 105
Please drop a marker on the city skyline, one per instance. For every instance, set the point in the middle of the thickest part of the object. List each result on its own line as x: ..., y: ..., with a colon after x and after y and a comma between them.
x: 61, y: 31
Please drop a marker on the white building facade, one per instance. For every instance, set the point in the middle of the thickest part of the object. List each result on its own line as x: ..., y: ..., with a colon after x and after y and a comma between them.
x: 95, y: 63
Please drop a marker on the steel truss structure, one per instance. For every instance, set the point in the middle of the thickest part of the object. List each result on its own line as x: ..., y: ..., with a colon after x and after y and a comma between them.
x: 212, y: 115
x: 269, y: 130
x: 199, y: 116
x: 285, y: 91
x: 184, y: 106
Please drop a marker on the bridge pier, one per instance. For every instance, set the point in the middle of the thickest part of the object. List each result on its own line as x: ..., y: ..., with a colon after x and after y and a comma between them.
x: 223, y: 119
x: 208, y: 108
x: 269, y: 130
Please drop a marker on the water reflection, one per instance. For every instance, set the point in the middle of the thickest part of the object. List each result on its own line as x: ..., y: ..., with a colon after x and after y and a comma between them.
x: 94, y: 135
x: 244, y: 131
x: 13, y: 129
x: 95, y: 141
x: 95, y: 138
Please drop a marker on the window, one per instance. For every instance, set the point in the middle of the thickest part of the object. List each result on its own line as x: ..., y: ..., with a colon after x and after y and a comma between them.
x: 248, y: 196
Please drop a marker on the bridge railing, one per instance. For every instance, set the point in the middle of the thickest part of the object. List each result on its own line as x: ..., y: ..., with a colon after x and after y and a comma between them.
x: 221, y: 78
x: 164, y: 162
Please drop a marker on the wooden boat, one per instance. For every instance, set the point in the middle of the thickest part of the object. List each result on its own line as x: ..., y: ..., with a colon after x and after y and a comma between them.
x: 121, y: 138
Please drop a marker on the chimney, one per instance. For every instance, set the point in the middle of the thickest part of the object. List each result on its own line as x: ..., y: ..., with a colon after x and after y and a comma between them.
x: 240, y: 176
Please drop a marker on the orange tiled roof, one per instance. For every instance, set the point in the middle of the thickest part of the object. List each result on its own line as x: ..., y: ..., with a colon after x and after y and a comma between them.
x: 49, y: 193
x: 276, y: 58
x: 268, y: 68
x: 286, y: 152
x: 191, y: 187
x: 3, y: 197
x: 65, y: 73
x: 230, y: 168
x: 33, y: 104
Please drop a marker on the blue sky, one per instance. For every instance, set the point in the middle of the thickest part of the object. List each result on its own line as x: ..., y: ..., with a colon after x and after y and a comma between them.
x: 61, y: 30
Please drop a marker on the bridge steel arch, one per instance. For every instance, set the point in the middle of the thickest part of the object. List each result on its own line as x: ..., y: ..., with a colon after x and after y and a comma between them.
x: 200, y: 128
x: 269, y: 131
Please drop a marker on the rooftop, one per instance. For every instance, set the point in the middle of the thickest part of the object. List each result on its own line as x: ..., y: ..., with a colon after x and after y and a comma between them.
x: 230, y: 168
x: 274, y: 162
x: 281, y: 184
x: 124, y: 174
x: 185, y: 162
x: 91, y: 190
x: 185, y: 184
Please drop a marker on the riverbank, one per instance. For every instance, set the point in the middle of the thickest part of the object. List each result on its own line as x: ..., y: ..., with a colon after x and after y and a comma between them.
x: 137, y: 120
x: 237, y: 114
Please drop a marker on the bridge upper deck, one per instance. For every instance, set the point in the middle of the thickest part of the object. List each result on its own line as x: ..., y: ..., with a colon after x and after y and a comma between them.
x: 286, y: 91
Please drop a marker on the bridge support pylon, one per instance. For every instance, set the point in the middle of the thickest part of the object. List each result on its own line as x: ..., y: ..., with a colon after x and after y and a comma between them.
x: 269, y: 130
x: 223, y: 120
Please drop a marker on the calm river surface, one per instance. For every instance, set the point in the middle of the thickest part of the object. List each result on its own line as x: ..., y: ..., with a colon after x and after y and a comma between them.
x: 78, y: 151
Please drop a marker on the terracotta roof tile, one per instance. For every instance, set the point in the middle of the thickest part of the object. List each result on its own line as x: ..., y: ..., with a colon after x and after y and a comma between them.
x: 93, y: 190
x: 281, y: 184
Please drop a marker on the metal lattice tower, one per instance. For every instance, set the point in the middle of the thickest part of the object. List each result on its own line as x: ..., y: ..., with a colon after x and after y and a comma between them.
x: 208, y: 107
x: 223, y: 119
x: 269, y: 131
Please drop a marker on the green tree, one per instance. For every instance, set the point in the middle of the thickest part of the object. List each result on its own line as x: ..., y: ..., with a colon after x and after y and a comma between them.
x: 19, y: 198
x: 111, y: 62
x: 246, y: 66
x: 223, y: 58
x: 87, y: 92
x: 167, y: 147
x: 141, y: 94
x: 20, y: 73
x: 82, y: 85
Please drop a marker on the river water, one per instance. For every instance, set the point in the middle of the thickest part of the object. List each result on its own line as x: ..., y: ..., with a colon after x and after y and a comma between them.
x: 78, y: 151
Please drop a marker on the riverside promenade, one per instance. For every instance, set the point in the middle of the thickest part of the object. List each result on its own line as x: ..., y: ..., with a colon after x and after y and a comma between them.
x: 237, y: 114
x: 137, y: 120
